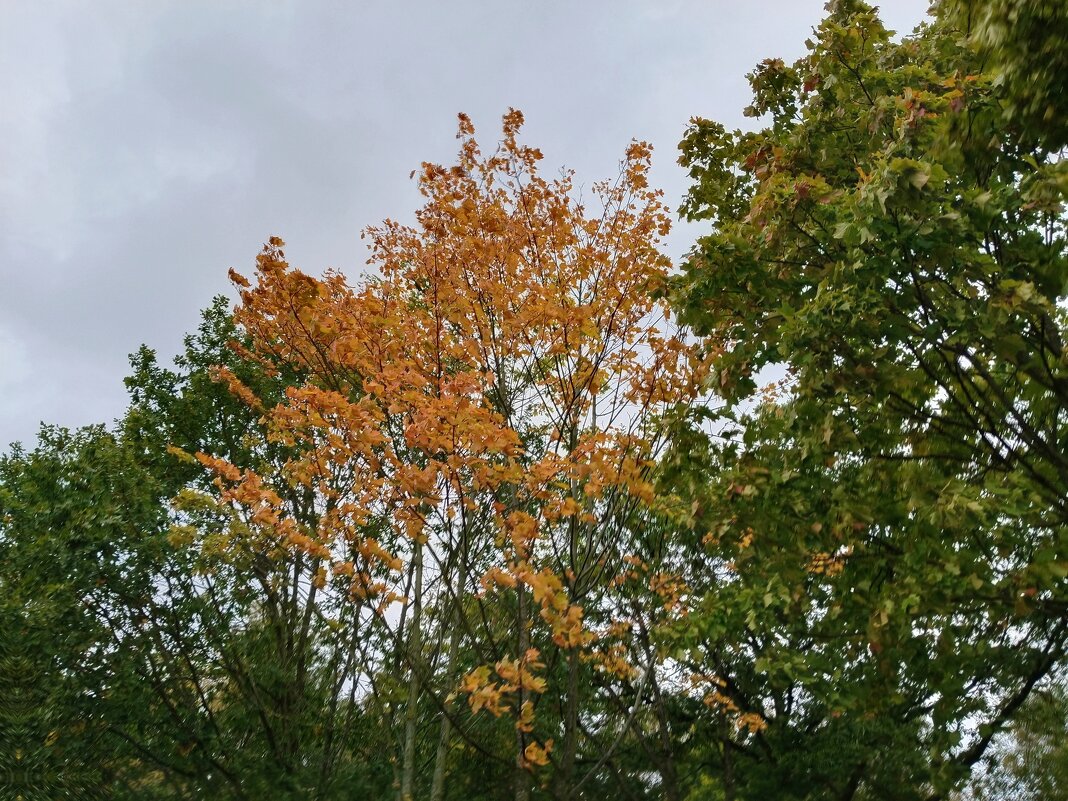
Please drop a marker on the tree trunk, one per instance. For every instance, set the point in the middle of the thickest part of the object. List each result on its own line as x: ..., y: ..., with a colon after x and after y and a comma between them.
x: 437, y: 785
x: 728, y: 764
x: 566, y: 777
x: 522, y: 778
x: 415, y: 646
x: 668, y: 774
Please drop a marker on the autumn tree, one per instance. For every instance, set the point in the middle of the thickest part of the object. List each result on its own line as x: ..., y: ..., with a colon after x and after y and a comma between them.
x: 885, y: 524
x: 496, y: 396
x: 512, y: 517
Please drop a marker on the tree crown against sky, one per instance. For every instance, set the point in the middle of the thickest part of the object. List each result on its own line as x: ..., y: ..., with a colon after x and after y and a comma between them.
x: 513, y: 519
x: 894, y: 238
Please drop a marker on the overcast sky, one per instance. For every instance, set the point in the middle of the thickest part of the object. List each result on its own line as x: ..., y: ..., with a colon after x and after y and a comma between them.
x: 147, y: 146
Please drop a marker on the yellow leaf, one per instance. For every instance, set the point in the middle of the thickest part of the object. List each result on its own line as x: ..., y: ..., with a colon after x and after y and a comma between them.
x: 535, y: 754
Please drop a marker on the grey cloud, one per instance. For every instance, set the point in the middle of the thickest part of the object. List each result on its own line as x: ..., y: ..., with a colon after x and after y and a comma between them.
x: 149, y: 146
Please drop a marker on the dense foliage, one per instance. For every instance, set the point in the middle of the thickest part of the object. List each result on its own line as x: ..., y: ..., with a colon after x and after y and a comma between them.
x: 891, y: 245
x: 515, y: 518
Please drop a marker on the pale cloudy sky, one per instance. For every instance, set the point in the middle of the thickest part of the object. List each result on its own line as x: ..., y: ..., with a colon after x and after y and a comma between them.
x: 146, y: 146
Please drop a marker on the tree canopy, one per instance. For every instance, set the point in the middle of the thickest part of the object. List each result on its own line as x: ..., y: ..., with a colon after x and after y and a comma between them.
x: 530, y: 512
x: 889, y: 252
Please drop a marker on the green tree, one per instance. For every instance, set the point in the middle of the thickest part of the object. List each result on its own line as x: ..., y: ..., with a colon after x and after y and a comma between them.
x: 886, y: 528
x: 68, y: 511
x: 1029, y: 761
x: 174, y: 656
x: 1022, y: 44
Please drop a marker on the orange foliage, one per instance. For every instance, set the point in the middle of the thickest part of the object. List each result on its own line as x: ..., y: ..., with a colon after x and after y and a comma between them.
x: 509, y: 360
